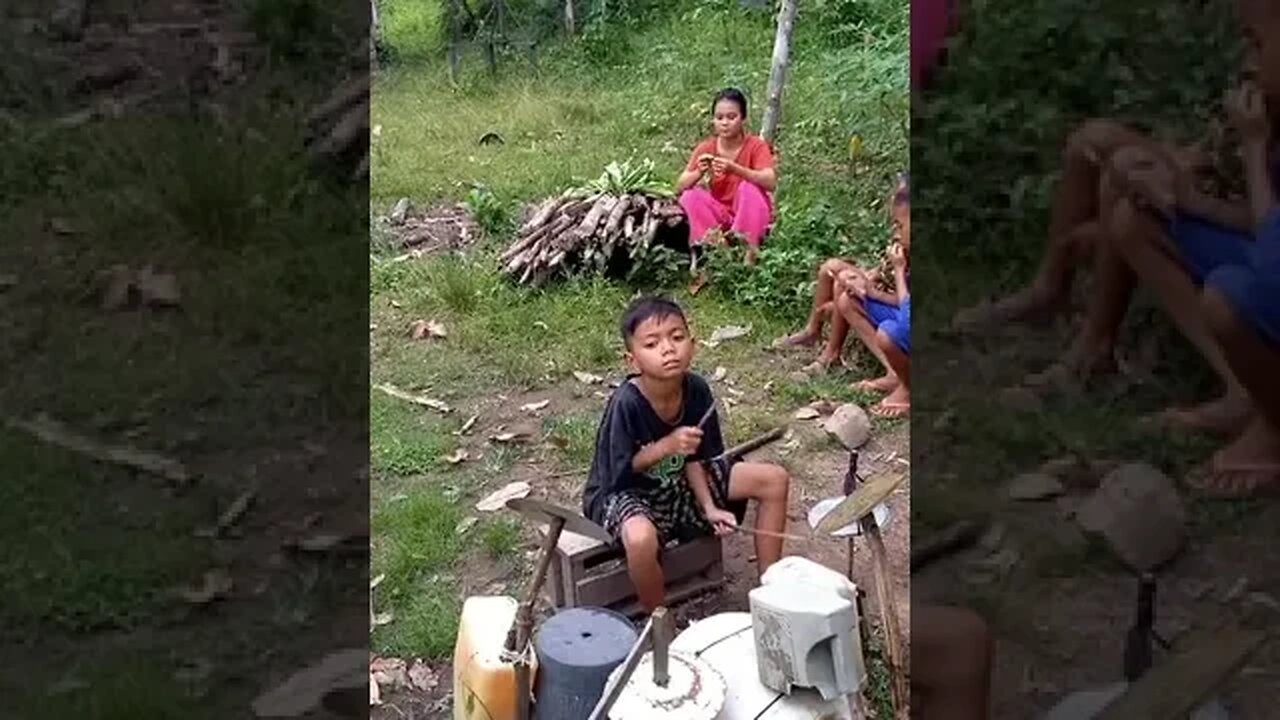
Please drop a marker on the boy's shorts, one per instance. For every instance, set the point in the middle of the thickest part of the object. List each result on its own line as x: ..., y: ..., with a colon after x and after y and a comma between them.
x: 893, y: 320
x: 1238, y: 265
x: 672, y: 508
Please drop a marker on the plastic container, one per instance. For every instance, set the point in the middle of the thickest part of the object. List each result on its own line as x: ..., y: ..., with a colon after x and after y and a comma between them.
x: 484, y: 684
x: 577, y: 649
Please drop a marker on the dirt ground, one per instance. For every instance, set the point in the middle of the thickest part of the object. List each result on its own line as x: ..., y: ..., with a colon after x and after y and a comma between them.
x: 1060, y: 604
x: 817, y: 464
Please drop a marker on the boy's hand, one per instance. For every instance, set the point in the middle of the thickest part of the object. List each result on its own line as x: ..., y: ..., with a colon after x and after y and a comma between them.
x: 722, y: 521
x: 683, y: 441
x: 1248, y: 112
x: 897, y: 256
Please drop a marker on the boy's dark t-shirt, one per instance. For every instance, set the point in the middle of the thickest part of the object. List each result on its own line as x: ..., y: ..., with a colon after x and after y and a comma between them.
x: 630, y: 423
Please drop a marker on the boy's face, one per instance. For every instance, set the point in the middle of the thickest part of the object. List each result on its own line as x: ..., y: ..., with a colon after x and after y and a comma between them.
x: 661, y: 348
x: 1261, y: 28
x: 902, y: 225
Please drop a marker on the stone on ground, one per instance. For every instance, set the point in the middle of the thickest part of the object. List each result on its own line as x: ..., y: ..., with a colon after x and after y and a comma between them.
x: 850, y: 425
x: 1139, y: 513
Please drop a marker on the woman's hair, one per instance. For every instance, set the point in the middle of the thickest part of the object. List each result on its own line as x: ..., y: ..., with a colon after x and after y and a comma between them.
x: 733, y: 94
x: 902, y: 192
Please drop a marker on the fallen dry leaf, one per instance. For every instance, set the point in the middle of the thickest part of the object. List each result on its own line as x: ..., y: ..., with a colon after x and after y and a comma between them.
x: 806, y: 413
x: 466, y: 524
x: 458, y: 457
x: 396, y: 304
x: 214, y: 584
x: 422, y: 677
x: 535, y: 406
x: 375, y: 694
x: 158, y: 289
x: 385, y: 618
x: 587, y: 378
x: 375, y: 582
x: 55, y: 433
x: 62, y: 226
x: 119, y: 283
x: 498, y: 499
x: 236, y: 509
x: 427, y: 330
x: 389, y: 671
x: 720, y: 373
x: 305, y: 690
x: 330, y: 542
x: 559, y: 441
x: 728, y: 332
x: 423, y: 400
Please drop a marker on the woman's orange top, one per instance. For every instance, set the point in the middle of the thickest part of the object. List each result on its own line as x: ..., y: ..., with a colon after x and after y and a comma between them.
x: 754, y: 154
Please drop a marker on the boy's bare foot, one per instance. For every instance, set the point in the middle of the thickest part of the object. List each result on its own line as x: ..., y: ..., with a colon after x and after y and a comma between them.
x: 1074, y: 370
x: 821, y: 366
x: 1026, y: 305
x: 895, y: 404
x: 1249, y: 466
x: 1227, y: 415
x: 885, y: 383
x: 803, y: 338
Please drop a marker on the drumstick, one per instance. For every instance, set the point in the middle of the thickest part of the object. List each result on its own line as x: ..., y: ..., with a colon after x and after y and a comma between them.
x: 707, y: 415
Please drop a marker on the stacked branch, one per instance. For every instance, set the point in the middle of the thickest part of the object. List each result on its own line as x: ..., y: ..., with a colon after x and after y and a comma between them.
x: 585, y: 228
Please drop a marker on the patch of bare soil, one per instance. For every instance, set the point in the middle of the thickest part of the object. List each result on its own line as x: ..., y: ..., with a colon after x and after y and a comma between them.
x: 430, y: 231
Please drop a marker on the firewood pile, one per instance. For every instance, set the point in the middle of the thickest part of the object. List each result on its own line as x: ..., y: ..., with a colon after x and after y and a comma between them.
x: 585, y: 229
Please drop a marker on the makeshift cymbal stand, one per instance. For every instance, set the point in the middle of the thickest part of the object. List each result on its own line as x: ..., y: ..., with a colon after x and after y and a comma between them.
x: 518, y: 636
x: 859, y: 507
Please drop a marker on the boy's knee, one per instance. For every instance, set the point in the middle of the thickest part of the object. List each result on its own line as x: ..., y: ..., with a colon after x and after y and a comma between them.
x: 831, y: 266
x: 777, y: 483
x: 639, y: 535
x: 1094, y: 137
x: 1218, y: 310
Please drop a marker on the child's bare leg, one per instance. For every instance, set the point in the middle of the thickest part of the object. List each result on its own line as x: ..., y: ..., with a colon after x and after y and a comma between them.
x: 951, y: 658
x: 1252, y: 460
x: 855, y: 314
x: 768, y: 485
x: 1141, y: 240
x: 898, y: 402
x: 640, y: 539
x: 1074, y: 229
x: 1093, y: 351
x: 823, y: 295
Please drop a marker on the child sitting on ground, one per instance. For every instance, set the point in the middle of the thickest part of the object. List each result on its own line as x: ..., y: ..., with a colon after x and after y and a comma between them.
x: 832, y: 282
x: 658, y: 474
x: 883, y: 320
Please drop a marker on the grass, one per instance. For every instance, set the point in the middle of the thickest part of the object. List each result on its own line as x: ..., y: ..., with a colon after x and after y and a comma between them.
x: 636, y: 85
x: 255, y: 354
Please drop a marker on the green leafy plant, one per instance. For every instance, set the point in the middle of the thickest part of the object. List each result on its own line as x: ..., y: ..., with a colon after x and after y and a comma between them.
x: 489, y: 212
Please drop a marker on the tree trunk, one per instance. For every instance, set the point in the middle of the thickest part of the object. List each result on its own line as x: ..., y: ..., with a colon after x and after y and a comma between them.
x: 570, y: 24
x: 374, y: 35
x: 778, y: 72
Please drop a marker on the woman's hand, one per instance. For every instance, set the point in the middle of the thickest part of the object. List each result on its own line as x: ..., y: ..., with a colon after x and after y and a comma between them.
x: 1248, y: 112
x: 704, y: 161
x: 720, y: 166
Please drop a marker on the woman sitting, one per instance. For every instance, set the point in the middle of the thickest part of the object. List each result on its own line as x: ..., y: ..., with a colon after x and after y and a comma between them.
x: 727, y: 184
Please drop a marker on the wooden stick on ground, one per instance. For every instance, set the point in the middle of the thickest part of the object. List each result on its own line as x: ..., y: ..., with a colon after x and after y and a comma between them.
x: 55, y: 433
x: 887, y: 599
x: 1172, y: 690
